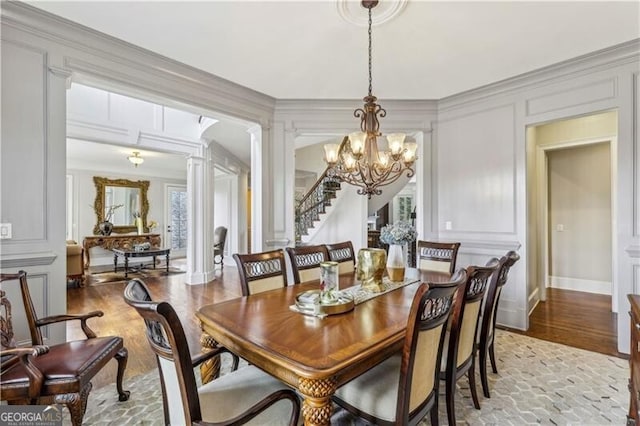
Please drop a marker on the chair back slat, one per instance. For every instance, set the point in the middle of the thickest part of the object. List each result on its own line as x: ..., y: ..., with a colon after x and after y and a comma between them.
x: 306, y: 260
x: 437, y: 256
x: 261, y: 271
x: 344, y: 255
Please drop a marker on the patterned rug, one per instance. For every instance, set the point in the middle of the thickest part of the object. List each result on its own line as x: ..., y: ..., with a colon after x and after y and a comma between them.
x: 539, y: 382
x: 109, y: 277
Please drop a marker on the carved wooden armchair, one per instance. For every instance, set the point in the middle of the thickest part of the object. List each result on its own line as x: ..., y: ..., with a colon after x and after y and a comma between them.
x: 67, y: 368
x: 21, y: 379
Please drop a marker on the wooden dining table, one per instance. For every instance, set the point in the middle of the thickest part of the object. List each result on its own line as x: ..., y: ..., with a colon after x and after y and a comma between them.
x: 313, y: 355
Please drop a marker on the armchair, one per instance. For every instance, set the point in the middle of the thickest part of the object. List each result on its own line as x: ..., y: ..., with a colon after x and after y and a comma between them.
x: 219, y: 239
x: 66, y: 370
x: 75, y: 263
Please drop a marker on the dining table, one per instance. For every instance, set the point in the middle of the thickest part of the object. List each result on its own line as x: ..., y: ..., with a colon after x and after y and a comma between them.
x: 314, y: 355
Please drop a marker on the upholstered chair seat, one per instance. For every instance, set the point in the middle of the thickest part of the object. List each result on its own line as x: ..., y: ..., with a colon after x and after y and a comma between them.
x: 65, y: 368
x: 219, y: 398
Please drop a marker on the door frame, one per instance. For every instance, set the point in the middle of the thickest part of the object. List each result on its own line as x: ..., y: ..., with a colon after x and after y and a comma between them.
x: 542, y: 215
x: 165, y: 234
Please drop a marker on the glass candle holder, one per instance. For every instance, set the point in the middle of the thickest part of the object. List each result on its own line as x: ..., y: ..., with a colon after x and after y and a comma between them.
x: 328, y: 282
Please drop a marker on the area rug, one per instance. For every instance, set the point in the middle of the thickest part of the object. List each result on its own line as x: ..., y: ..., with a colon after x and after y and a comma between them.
x: 108, y: 277
x: 539, y: 382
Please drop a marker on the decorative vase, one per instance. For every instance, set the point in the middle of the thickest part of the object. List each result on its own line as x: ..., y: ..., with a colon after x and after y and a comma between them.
x: 105, y: 227
x: 139, y: 225
x: 370, y: 269
x: 395, y: 263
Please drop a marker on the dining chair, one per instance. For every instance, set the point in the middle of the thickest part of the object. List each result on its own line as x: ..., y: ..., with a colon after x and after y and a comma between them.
x: 458, y: 356
x: 488, y: 318
x: 404, y: 388
x: 344, y: 255
x: 434, y: 256
x: 261, y: 271
x: 246, y: 395
x: 219, y: 238
x: 306, y: 260
x: 67, y: 368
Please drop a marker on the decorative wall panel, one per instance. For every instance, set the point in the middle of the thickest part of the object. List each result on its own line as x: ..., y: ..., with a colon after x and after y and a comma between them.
x: 24, y: 138
x: 477, y: 172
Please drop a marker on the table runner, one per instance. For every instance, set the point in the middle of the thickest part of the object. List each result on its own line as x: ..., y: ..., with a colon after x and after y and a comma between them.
x: 362, y: 295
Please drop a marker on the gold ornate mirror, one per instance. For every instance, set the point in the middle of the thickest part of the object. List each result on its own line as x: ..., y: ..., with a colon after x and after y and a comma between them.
x: 129, y: 196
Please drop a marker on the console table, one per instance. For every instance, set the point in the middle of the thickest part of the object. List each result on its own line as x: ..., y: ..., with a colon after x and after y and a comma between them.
x: 109, y: 242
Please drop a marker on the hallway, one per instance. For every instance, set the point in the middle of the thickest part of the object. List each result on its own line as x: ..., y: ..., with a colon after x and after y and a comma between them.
x: 578, y: 319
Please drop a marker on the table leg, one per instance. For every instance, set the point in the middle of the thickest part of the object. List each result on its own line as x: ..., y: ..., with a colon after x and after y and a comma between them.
x: 126, y: 266
x: 209, y: 369
x: 154, y: 262
x: 317, y: 408
x: 115, y: 262
x: 167, y: 263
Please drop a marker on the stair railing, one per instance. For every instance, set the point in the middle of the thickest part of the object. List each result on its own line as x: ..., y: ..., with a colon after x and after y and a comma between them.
x: 315, y: 201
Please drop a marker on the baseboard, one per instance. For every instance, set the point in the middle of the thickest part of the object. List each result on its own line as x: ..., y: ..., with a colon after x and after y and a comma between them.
x: 577, y: 284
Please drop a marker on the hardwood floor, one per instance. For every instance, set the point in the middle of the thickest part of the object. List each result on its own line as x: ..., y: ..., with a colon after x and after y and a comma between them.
x: 576, y: 319
x: 122, y: 320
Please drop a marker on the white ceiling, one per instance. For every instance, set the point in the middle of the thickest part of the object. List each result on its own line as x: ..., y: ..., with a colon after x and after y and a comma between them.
x: 305, y: 49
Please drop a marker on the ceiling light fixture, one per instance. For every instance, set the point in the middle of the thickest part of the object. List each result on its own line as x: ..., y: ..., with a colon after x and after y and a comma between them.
x: 357, y: 160
x: 135, y: 158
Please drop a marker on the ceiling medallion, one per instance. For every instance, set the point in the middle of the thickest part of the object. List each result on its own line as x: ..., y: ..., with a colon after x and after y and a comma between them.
x: 351, y: 11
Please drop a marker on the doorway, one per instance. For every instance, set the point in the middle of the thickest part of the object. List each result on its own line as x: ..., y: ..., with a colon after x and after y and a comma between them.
x: 571, y: 175
x: 175, y: 233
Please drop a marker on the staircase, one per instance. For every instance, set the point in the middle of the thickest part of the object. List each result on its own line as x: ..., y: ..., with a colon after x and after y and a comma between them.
x: 314, y: 204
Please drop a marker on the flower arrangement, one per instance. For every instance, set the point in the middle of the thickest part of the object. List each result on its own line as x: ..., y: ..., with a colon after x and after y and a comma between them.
x: 152, y: 224
x: 399, y: 233
x: 110, y: 210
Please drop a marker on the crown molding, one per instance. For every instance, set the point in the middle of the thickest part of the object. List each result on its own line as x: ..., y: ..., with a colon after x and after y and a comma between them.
x: 31, y: 20
x: 607, y: 58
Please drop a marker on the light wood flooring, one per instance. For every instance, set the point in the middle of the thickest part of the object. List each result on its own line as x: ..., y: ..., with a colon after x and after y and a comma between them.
x: 572, y: 318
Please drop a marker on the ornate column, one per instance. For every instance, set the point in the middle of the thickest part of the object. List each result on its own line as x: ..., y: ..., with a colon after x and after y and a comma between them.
x: 199, y: 221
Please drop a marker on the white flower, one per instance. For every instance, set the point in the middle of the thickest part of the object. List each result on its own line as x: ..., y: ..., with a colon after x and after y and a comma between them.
x: 399, y: 233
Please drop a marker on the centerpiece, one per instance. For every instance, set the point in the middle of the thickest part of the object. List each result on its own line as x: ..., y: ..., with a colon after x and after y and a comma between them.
x: 397, y: 236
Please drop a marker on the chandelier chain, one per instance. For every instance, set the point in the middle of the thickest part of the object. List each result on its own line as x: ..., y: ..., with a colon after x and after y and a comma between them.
x: 370, y: 84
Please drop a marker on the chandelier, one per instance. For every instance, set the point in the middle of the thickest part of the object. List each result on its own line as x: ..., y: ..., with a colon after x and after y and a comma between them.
x: 357, y: 160
x: 135, y: 158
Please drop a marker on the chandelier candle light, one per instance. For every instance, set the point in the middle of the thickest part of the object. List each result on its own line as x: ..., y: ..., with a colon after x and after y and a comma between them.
x: 357, y: 160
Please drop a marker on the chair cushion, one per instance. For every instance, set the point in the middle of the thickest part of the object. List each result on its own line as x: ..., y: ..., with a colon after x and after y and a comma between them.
x: 67, y: 367
x: 376, y: 391
x: 231, y: 394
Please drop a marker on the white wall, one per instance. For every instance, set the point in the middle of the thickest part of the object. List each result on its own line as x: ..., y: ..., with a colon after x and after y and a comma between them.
x: 580, y: 218
x: 482, y: 164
